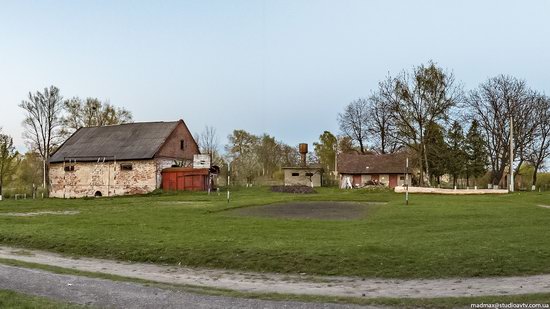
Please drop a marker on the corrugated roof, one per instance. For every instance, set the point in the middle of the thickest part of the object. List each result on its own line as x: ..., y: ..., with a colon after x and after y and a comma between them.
x: 131, y: 141
x: 377, y: 164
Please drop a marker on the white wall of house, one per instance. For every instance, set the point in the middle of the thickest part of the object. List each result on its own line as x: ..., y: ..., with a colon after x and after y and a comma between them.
x: 365, y: 178
x: 382, y: 179
x: 401, y: 180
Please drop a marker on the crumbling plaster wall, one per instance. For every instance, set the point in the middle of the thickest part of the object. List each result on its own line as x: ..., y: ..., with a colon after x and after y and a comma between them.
x: 105, y: 177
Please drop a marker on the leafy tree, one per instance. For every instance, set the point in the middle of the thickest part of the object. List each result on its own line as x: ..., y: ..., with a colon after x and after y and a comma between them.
x: 476, y: 153
x: 289, y: 155
x: 8, y: 157
x: 345, y: 145
x: 437, y: 152
x: 325, y: 150
x: 268, y: 152
x: 457, y: 158
x: 42, y: 122
x: 418, y: 98
x: 91, y: 112
x: 354, y: 122
x: 242, y: 151
x: 29, y: 171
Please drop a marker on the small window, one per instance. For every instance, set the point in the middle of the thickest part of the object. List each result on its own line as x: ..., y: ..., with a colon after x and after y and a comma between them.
x: 295, y: 174
x: 182, y: 144
x: 401, y: 177
x: 69, y: 168
x: 309, y: 174
x: 126, y: 167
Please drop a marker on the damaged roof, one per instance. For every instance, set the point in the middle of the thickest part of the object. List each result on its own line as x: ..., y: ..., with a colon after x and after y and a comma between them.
x: 131, y: 141
x: 372, y: 163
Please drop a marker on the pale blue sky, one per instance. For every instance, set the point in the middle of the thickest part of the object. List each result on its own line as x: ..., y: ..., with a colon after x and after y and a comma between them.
x: 282, y: 67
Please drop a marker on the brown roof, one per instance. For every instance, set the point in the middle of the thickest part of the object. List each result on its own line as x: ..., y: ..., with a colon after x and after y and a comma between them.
x: 376, y: 163
x: 130, y: 141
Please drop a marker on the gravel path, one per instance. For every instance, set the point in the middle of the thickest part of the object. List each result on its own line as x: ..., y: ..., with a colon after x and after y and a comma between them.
x: 112, y: 294
x: 293, y: 284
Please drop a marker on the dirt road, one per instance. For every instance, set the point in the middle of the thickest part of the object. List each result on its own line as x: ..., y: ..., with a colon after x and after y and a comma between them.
x: 293, y: 284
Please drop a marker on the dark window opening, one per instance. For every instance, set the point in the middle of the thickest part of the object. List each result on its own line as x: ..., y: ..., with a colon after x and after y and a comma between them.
x: 182, y: 144
x: 98, y: 194
x: 126, y: 167
x: 295, y: 174
x: 309, y: 174
x: 69, y: 168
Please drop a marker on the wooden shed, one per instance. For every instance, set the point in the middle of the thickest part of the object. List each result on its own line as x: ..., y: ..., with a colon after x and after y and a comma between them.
x: 185, y: 179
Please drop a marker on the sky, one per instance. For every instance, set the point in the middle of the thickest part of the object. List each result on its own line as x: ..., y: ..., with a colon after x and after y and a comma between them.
x: 286, y: 68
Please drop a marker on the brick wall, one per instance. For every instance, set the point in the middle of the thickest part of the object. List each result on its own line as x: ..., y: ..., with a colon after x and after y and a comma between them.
x: 172, y: 146
x: 107, y: 178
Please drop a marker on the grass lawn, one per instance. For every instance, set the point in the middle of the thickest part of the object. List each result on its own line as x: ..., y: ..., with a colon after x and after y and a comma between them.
x: 435, y: 236
x: 9, y: 299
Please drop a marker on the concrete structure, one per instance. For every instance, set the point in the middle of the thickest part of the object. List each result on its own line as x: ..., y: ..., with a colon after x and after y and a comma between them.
x: 119, y: 160
x: 371, y: 169
x: 303, y: 176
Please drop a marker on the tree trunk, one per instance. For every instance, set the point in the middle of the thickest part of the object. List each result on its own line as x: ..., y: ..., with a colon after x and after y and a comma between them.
x: 361, y: 146
x: 534, y: 183
x: 421, y: 180
x: 516, y: 172
x: 426, y: 160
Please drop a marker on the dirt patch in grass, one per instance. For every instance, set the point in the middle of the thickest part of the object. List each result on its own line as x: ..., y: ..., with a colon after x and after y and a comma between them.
x: 307, y: 210
x: 39, y: 213
x: 293, y: 189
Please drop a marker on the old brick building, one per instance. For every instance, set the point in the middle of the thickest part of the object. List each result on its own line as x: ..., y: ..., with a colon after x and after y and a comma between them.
x: 120, y: 159
x: 358, y: 170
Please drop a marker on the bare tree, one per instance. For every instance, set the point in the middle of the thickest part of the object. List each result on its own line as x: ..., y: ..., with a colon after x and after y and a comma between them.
x: 208, y: 144
x: 208, y: 140
x: 354, y: 122
x: 418, y: 98
x: 494, y: 104
x: 539, y: 149
x: 381, y: 125
x: 92, y: 112
x: 42, y: 122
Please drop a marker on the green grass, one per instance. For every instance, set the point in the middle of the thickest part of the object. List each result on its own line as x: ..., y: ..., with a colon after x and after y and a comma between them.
x: 435, y: 236
x: 9, y: 299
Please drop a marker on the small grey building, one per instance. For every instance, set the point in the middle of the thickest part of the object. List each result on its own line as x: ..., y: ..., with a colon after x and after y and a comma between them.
x: 311, y: 176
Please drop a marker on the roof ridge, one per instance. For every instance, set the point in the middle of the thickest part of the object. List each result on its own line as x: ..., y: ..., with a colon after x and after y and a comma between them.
x: 130, y: 123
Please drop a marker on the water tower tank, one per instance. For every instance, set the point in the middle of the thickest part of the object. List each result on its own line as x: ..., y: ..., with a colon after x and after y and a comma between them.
x: 303, y: 152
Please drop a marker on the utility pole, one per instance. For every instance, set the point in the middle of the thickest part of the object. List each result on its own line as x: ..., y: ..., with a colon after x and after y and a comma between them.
x: 407, y: 182
x: 511, y: 154
x: 336, y: 160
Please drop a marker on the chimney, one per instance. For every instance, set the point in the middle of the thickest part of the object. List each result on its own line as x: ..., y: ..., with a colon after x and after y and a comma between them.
x: 303, y: 153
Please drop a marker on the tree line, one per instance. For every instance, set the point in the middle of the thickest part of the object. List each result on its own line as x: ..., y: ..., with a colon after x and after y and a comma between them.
x: 425, y: 111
